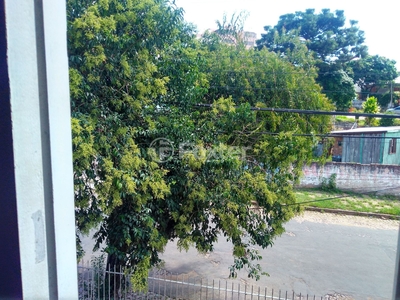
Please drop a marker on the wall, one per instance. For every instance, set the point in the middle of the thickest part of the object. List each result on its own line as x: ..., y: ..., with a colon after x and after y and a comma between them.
x: 385, y: 179
x: 362, y: 150
x: 338, y: 125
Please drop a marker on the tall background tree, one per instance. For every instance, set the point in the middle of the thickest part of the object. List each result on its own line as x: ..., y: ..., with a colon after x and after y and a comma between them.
x: 331, y: 43
x: 372, y: 73
x: 137, y: 74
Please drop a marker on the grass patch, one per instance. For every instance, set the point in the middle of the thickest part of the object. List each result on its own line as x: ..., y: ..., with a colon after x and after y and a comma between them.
x: 344, y: 119
x: 349, y: 201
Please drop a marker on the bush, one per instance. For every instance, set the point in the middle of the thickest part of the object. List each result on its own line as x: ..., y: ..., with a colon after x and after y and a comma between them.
x: 329, y: 184
x: 387, y: 121
x: 371, y: 106
x: 385, y: 99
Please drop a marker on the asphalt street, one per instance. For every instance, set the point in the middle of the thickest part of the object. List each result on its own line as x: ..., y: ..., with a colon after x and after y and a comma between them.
x: 310, y: 258
x: 319, y: 254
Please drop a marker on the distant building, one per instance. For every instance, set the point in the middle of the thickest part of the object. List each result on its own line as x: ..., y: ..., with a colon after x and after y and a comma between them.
x: 378, y: 91
x: 249, y: 38
x: 368, y: 145
x: 357, y: 103
x: 386, y: 88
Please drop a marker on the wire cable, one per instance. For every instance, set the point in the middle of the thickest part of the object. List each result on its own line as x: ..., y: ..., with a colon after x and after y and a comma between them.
x: 311, y: 112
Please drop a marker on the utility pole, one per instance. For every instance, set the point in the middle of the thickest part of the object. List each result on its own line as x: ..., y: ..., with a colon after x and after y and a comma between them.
x: 391, y: 95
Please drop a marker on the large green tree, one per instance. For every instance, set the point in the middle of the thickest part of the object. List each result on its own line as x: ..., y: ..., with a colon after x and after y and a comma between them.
x: 373, y: 72
x: 119, y: 97
x: 137, y: 74
x: 325, y: 34
x: 332, y: 44
x: 291, y: 47
x: 338, y: 86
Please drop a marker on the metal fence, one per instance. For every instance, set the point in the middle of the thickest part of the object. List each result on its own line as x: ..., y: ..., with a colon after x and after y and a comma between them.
x: 97, y: 283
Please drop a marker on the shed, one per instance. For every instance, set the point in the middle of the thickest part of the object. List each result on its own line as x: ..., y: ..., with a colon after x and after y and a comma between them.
x: 368, y: 145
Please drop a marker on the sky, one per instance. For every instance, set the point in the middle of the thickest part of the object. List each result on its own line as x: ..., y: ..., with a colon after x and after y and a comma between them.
x: 378, y: 19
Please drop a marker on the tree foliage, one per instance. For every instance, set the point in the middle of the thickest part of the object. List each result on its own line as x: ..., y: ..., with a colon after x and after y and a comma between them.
x: 116, y: 52
x: 387, y: 121
x: 231, y: 31
x: 290, y: 46
x: 331, y: 43
x: 372, y: 72
x: 324, y: 34
x: 371, y: 106
x: 385, y: 99
x: 136, y: 75
x: 339, y: 86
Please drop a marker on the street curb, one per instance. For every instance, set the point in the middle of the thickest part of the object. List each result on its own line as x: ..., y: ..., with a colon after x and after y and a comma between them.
x: 352, y: 213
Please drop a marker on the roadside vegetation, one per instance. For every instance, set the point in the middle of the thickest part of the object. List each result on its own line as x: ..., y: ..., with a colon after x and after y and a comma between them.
x: 335, y: 199
x: 361, y: 122
x: 344, y: 119
x: 349, y: 120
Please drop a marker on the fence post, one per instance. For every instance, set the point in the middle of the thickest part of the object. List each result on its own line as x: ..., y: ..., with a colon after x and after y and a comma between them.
x: 213, y: 290
x: 206, y: 288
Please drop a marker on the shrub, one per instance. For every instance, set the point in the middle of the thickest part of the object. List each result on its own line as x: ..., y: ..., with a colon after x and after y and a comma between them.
x: 329, y: 184
x: 387, y: 121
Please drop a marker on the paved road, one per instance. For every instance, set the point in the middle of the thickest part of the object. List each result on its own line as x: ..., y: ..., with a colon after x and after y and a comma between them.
x: 315, y: 256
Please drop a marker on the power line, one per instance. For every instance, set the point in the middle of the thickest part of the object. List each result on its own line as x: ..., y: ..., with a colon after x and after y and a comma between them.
x: 300, y: 71
x: 346, y: 135
x: 313, y: 112
x: 227, y: 87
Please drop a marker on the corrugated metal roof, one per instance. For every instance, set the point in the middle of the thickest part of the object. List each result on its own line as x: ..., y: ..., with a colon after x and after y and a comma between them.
x: 368, y: 130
